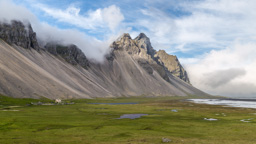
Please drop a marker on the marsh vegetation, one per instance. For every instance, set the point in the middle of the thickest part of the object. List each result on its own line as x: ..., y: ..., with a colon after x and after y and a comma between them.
x: 97, y: 123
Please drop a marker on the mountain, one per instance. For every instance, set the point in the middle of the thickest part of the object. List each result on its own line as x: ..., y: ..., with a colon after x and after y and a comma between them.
x: 132, y: 68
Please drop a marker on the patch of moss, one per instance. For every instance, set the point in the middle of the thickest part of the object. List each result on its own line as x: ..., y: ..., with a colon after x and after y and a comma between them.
x: 7, y: 101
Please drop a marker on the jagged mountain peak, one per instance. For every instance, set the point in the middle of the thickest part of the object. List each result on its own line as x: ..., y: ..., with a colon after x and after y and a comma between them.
x: 71, y: 53
x: 19, y: 34
x: 142, y: 48
x: 141, y: 36
x: 125, y: 42
x: 134, y: 46
x: 144, y: 42
x: 124, y: 36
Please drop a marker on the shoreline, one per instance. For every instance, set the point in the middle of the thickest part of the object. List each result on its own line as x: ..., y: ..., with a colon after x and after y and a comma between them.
x: 240, y: 103
x: 237, y: 99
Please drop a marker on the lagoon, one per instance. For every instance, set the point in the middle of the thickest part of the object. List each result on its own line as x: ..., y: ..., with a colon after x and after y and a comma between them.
x: 243, y: 103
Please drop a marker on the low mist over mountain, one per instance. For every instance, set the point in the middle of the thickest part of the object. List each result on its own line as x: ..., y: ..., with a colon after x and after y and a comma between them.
x: 55, y: 70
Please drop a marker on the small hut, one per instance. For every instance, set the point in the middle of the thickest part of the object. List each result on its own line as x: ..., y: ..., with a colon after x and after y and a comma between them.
x: 58, y: 101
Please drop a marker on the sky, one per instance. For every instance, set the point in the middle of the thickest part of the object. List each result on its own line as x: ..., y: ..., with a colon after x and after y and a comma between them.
x: 215, y: 40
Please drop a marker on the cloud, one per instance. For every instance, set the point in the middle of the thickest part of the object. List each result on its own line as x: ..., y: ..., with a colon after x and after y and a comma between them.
x: 229, y: 72
x: 10, y: 11
x: 207, y: 24
x: 92, y: 47
x: 221, y: 77
x: 106, y: 18
x: 112, y: 16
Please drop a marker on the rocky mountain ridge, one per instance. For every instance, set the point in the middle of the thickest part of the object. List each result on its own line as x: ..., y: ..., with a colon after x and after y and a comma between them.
x: 132, y: 68
x: 141, y: 46
x: 19, y: 34
x: 172, y: 64
x: 71, y: 53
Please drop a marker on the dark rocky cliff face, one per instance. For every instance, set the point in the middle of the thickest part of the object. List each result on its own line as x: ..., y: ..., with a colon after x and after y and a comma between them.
x: 19, y: 34
x: 71, y: 53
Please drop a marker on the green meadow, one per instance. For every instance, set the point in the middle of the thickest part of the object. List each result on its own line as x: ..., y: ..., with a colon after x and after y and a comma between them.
x: 83, y: 122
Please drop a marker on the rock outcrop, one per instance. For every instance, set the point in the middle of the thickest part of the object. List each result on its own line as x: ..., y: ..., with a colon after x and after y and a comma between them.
x: 71, y: 53
x: 143, y: 42
x: 172, y: 64
x: 19, y: 34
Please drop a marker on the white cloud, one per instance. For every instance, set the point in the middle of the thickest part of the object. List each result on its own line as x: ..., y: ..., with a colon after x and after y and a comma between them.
x: 229, y: 72
x: 209, y: 24
x: 92, y: 48
x: 197, y: 28
x: 159, y: 27
x: 10, y: 11
x: 227, y: 6
x: 106, y: 18
x: 112, y: 16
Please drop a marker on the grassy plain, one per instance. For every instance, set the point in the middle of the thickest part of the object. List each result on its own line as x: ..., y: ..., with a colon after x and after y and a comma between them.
x: 97, y: 124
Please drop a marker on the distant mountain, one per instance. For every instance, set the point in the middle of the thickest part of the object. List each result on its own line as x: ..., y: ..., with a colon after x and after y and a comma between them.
x: 132, y: 68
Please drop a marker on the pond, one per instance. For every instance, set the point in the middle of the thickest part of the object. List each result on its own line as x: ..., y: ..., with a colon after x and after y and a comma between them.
x: 227, y: 102
x: 131, y: 116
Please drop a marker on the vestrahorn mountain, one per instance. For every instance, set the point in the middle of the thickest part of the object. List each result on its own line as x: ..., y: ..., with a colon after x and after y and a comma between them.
x: 132, y: 68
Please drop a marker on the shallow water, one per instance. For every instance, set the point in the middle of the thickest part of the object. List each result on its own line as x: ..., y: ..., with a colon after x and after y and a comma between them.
x: 246, y: 120
x: 174, y: 110
x: 210, y: 119
x: 230, y: 103
x: 131, y: 116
